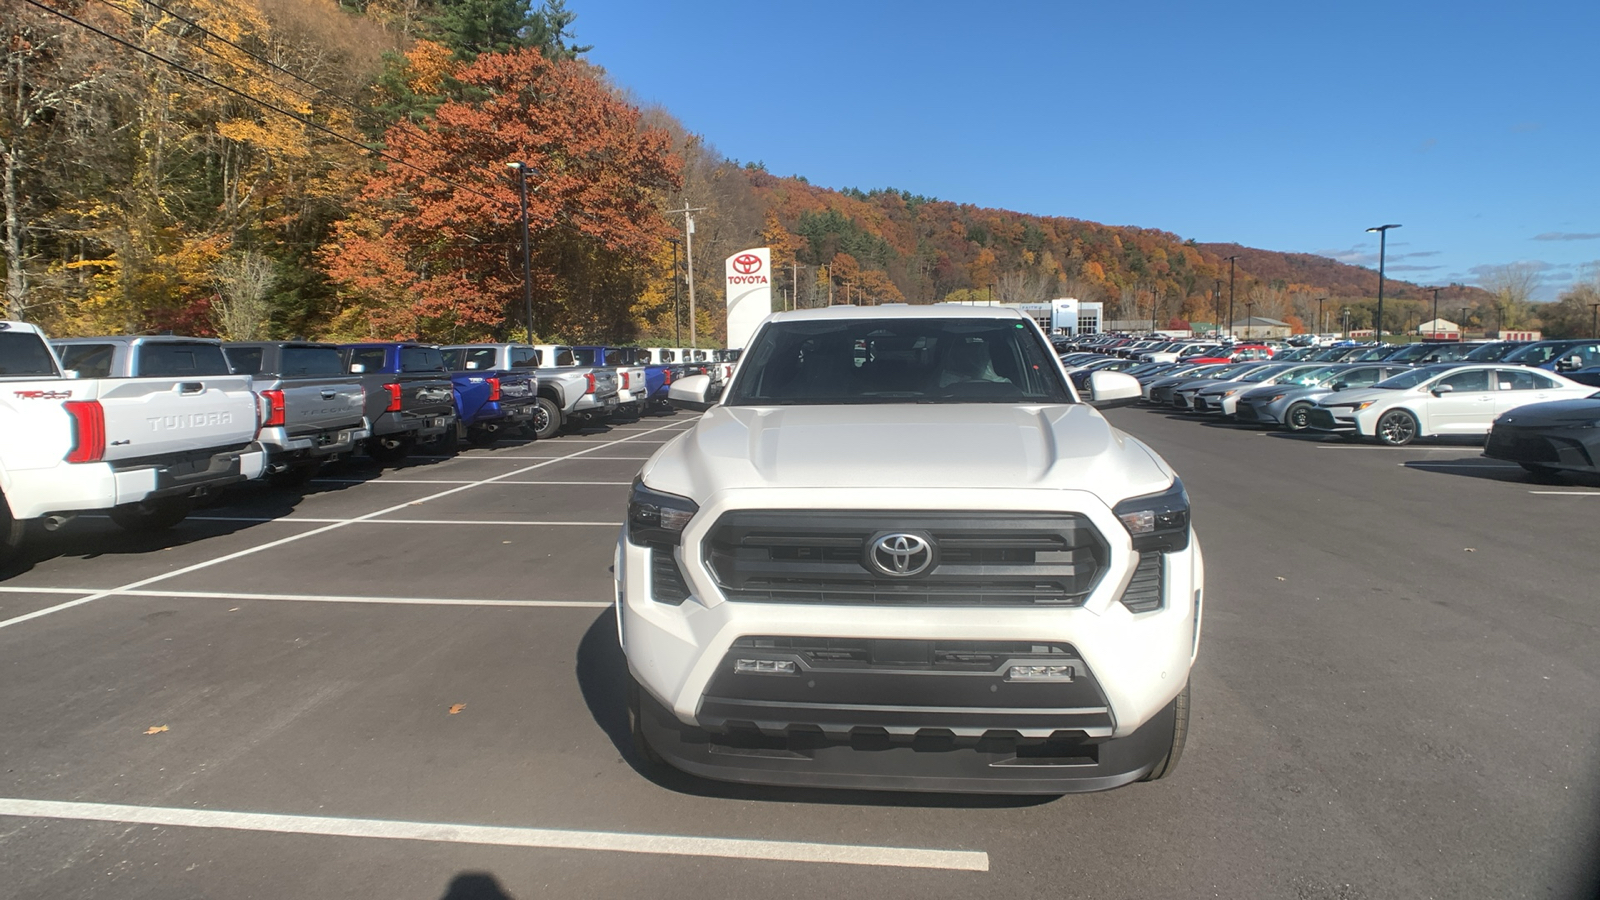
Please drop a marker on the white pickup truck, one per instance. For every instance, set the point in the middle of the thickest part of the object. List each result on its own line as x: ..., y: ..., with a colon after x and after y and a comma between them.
x: 902, y: 552
x: 158, y: 429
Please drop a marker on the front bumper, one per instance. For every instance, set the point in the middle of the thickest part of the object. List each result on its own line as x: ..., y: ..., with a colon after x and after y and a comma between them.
x: 1333, y: 420
x: 829, y: 732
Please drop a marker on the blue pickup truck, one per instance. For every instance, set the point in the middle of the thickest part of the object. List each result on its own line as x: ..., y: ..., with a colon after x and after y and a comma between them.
x: 408, y: 396
x: 651, y: 396
x: 490, y: 403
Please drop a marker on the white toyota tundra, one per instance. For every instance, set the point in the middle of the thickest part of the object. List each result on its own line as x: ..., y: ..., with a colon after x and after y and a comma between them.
x: 901, y: 552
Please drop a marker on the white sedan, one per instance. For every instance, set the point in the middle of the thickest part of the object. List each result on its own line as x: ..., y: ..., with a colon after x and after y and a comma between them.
x: 1438, y: 400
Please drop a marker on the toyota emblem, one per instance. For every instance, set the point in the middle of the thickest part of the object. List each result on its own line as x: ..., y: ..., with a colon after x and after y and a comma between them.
x: 900, y: 555
x: 747, y: 264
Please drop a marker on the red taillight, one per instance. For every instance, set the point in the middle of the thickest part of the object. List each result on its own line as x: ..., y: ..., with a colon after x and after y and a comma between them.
x: 494, y: 389
x: 274, y: 417
x: 667, y: 376
x: 625, y: 381
x: 88, y: 430
x: 590, y: 376
x: 394, y: 397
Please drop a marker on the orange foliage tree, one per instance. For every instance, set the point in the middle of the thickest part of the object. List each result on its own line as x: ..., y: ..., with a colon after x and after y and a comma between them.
x: 432, y: 248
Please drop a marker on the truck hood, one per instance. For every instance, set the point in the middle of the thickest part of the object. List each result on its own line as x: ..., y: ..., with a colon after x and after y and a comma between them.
x: 907, y: 446
x: 1554, y: 413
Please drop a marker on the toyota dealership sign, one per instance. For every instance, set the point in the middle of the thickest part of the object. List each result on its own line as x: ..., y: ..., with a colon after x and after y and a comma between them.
x: 749, y: 274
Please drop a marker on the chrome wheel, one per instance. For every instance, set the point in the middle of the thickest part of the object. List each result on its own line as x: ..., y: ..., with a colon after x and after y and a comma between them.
x: 1397, y: 428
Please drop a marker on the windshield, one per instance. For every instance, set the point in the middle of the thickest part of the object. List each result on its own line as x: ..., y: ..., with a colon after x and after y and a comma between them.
x: 1535, y: 354
x: 1314, y: 375
x: 1261, y: 374
x: 867, y: 361
x: 1492, y: 352
x: 1407, y: 380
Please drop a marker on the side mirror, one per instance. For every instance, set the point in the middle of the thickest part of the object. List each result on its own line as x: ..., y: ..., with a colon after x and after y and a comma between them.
x: 1572, y: 362
x: 1442, y: 389
x: 1108, y: 390
x: 357, y: 368
x: 71, y: 373
x: 692, y: 393
x: 1340, y: 385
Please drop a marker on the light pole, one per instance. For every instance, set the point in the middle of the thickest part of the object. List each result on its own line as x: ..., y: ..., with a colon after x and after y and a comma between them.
x: 1594, y: 320
x: 1322, y: 324
x: 677, y: 284
x: 1383, y: 248
x: 1346, y: 318
x: 1463, y: 323
x: 1434, y: 331
x: 688, y: 255
x: 1230, y: 260
x: 1249, y: 319
x: 1154, y: 299
x: 527, y: 254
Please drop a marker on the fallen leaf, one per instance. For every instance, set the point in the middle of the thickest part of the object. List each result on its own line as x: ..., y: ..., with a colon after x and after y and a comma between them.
x: 1280, y: 578
x: 155, y: 729
x: 1472, y: 549
x: 453, y: 709
x: 235, y: 609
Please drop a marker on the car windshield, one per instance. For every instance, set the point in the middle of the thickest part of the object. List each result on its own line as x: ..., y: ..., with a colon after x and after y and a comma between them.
x: 1261, y: 374
x: 1492, y: 352
x: 1408, y: 380
x: 1314, y: 375
x: 895, y: 360
x: 1535, y: 354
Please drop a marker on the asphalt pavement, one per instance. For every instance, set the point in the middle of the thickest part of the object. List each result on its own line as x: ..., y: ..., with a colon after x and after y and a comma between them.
x: 406, y: 684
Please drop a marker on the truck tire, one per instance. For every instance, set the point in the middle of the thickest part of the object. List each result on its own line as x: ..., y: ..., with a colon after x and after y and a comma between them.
x: 152, y: 515
x: 12, y: 531
x: 1180, y: 734
x: 546, y: 419
x: 388, y: 451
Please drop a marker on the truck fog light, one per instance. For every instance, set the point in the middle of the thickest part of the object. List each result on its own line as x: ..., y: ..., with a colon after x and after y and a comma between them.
x: 1039, y: 673
x: 765, y: 666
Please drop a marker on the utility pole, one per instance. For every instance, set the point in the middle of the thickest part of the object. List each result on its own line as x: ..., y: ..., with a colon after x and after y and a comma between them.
x: 527, y: 254
x: 688, y: 252
x: 1216, y: 301
x: 677, y: 284
x: 1249, y: 319
x: 1463, y: 323
x: 847, y: 286
x: 1322, y: 324
x: 829, y: 267
x: 1153, y: 302
x: 1434, y: 331
x: 1231, y: 260
x: 1594, y: 320
x: 794, y: 285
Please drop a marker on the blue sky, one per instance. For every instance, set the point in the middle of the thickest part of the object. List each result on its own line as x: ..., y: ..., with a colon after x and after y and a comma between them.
x: 1283, y: 125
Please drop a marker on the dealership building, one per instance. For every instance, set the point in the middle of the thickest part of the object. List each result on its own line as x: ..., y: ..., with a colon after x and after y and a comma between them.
x: 1062, y: 316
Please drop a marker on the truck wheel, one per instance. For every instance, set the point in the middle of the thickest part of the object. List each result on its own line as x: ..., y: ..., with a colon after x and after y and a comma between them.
x: 1180, y: 734
x: 546, y: 419
x: 12, y: 531
x: 295, y: 476
x: 152, y: 515
x: 388, y: 451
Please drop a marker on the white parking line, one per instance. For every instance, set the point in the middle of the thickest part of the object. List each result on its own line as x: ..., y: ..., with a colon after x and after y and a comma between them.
x: 448, y: 481
x: 319, y: 598
x: 501, y: 836
x: 497, y: 458
x: 17, y: 620
x: 1425, y: 464
x: 290, y: 520
x: 1568, y: 493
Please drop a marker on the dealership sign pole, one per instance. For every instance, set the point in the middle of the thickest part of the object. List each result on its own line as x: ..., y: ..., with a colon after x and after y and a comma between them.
x: 749, y: 282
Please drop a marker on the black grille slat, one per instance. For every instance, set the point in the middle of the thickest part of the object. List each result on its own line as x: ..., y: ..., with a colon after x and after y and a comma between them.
x: 666, y: 580
x: 1144, y: 593
x: 1013, y: 559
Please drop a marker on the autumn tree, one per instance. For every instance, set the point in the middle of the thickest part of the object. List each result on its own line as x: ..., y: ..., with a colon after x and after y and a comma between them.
x: 432, y: 247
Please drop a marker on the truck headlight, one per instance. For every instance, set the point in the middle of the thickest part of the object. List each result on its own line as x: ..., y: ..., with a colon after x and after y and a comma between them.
x: 1157, y: 522
x: 655, y: 517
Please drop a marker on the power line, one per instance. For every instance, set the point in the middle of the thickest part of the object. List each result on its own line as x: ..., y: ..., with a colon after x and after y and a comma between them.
x: 353, y: 105
x: 301, y: 119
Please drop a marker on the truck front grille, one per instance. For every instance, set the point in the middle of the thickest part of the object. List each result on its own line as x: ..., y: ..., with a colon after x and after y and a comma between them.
x: 982, y: 559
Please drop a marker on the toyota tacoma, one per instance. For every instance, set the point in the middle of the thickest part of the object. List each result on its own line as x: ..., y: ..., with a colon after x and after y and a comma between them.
x: 900, y: 551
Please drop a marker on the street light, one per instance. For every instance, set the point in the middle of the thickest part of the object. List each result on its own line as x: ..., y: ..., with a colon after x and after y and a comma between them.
x: 1230, y: 260
x: 1216, y: 301
x: 527, y: 254
x: 1383, y: 248
x: 1346, y: 317
x: 1434, y: 331
x: 1322, y: 324
x: 1249, y: 318
x: 1463, y: 323
x: 1594, y: 320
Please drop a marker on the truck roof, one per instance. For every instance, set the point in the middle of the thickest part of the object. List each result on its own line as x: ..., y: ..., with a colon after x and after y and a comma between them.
x: 902, y: 311
x: 137, y: 338
x: 20, y: 327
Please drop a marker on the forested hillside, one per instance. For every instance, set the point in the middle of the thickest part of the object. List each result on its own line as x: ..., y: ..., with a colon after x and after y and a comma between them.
x: 305, y: 167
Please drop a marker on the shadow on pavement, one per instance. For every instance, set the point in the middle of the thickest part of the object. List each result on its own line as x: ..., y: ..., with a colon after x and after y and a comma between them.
x: 603, y: 679
x: 475, y: 886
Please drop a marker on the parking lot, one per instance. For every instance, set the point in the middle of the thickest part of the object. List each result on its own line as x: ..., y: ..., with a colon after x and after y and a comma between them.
x: 405, y: 684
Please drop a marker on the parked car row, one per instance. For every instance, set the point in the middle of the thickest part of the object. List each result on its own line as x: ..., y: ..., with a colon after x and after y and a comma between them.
x: 1527, y: 400
x: 146, y: 427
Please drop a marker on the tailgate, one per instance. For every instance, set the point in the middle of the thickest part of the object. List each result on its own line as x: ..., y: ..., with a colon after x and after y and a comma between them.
x: 314, y: 405
x: 517, y: 388
x: 427, y: 395
x: 159, y: 416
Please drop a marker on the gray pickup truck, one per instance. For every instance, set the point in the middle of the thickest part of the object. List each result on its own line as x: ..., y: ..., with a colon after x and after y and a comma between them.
x: 569, y: 394
x: 311, y: 409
